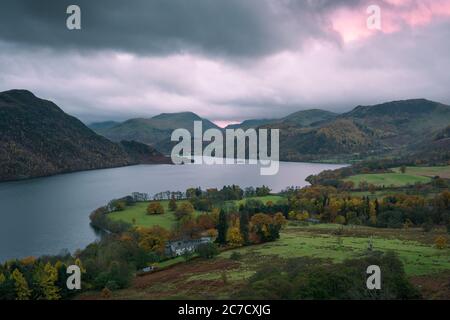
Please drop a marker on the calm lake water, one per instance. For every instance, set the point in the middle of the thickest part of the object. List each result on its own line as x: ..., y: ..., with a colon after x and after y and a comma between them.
x: 46, y: 215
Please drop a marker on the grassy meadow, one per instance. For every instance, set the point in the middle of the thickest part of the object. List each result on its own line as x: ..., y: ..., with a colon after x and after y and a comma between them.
x: 138, y: 213
x: 441, y: 171
x: 388, y: 179
x: 399, y: 179
x: 224, y: 275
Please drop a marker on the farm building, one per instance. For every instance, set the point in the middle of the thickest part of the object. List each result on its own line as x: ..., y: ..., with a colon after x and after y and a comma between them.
x: 179, y: 247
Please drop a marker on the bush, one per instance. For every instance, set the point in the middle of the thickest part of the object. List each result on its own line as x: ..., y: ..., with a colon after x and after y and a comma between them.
x: 441, y: 242
x: 307, y: 278
x: 207, y: 250
x: 339, y: 220
x: 106, y: 293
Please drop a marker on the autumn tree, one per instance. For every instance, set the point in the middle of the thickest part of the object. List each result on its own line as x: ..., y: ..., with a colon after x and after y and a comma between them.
x: 23, y: 292
x: 187, y: 227
x: 279, y: 219
x: 441, y: 242
x: 267, y: 228
x: 173, y: 204
x: 234, y: 237
x: 153, y: 239
x: 222, y: 228
x: 155, y: 207
x: 106, y: 293
x: 46, y: 278
x: 184, y: 209
x: 206, y: 221
x: 302, y: 216
x: 118, y: 205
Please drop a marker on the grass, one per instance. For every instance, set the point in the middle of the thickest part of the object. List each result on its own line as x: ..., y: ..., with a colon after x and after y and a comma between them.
x: 138, y: 212
x: 418, y: 258
x: 169, y: 262
x: 381, y: 194
x: 388, y: 179
x: 222, y: 277
x: 442, y: 171
x: 319, y: 241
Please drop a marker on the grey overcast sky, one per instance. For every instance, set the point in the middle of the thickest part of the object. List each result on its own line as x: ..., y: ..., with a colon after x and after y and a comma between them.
x: 226, y: 60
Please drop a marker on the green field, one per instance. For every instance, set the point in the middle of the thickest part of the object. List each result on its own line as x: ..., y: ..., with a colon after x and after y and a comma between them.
x: 443, y: 171
x: 318, y: 242
x: 388, y: 179
x: 204, y: 279
x: 139, y: 213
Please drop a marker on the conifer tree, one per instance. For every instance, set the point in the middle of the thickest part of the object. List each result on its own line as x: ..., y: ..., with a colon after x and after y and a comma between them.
x: 23, y: 292
x: 47, y: 280
x: 244, y: 227
x: 222, y: 228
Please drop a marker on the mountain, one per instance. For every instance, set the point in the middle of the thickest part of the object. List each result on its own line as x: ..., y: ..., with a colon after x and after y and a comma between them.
x: 394, y: 128
x: 253, y: 123
x: 103, y: 125
x: 38, y: 139
x: 338, y: 139
x: 435, y: 151
x: 403, y: 124
x: 304, y: 118
x: 155, y: 131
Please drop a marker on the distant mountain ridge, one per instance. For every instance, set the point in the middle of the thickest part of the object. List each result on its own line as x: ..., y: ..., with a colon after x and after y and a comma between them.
x: 392, y: 128
x: 156, y: 131
x: 38, y: 139
x: 303, y: 118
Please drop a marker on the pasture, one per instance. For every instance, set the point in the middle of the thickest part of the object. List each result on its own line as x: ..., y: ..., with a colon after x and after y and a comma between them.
x: 388, y: 179
x: 224, y: 275
x: 138, y: 214
x: 440, y: 171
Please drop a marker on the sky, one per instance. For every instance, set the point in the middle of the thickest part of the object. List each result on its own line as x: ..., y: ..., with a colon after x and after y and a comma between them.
x: 226, y: 60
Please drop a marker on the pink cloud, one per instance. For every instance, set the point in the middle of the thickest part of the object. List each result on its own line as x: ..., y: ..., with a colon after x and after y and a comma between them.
x: 350, y: 23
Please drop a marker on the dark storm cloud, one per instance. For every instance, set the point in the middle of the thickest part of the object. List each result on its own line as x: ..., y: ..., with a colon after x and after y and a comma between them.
x: 233, y: 27
x: 226, y: 60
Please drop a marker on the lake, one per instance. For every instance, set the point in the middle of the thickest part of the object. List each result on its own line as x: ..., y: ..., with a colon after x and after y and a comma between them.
x: 45, y: 215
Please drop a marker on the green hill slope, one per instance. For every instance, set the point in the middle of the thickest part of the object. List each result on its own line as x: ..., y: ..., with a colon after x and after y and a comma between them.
x: 155, y: 131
